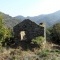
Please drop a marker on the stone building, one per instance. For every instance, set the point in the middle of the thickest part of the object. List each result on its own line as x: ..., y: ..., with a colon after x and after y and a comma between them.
x: 27, y: 30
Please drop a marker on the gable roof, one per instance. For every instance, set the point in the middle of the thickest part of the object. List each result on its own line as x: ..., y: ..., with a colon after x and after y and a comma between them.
x: 26, y: 24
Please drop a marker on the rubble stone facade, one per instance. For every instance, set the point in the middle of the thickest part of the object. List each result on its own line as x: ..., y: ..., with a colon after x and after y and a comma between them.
x: 27, y: 30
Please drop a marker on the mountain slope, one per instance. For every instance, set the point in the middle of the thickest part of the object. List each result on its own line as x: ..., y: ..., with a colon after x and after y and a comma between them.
x: 9, y: 21
x: 50, y: 19
x: 19, y: 18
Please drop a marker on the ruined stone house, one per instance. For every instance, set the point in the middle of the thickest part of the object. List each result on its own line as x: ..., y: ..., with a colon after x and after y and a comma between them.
x: 27, y: 30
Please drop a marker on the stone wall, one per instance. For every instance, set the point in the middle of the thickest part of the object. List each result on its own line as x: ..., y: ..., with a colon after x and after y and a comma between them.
x: 31, y: 29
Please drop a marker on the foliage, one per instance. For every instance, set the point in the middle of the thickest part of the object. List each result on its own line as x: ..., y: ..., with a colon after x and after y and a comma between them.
x: 38, y: 40
x: 55, y: 51
x: 48, y: 33
x: 1, y: 29
x: 43, y: 53
x: 55, y: 33
x: 4, y: 32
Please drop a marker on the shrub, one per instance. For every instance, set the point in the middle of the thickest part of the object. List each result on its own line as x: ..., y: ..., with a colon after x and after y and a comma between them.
x: 55, y: 33
x: 4, y: 33
x: 38, y: 40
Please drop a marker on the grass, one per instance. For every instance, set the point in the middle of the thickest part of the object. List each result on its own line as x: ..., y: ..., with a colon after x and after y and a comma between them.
x: 43, y: 53
x: 18, y: 54
x: 55, y: 51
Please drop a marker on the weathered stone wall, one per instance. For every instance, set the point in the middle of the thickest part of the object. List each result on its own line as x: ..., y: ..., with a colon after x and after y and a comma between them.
x: 31, y: 29
x: 44, y: 42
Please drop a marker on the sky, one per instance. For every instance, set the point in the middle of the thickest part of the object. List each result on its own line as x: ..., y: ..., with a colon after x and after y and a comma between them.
x: 29, y: 7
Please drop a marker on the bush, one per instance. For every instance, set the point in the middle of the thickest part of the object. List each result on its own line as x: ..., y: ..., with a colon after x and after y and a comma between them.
x: 38, y: 40
x: 4, y: 33
x: 55, y: 33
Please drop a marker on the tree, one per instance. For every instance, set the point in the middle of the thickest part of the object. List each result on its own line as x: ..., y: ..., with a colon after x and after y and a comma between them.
x: 55, y: 33
x: 1, y: 29
x: 4, y: 32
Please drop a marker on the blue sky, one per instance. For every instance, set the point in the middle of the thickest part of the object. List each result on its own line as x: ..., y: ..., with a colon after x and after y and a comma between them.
x: 29, y: 7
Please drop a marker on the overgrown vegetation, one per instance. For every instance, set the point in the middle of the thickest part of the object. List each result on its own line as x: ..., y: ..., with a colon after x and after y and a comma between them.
x: 43, y: 53
x: 53, y: 33
x: 7, y: 39
x: 38, y: 40
x: 56, y: 33
x: 4, y: 32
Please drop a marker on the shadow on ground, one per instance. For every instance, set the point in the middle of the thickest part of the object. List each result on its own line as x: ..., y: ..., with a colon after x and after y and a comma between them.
x: 28, y: 46
x: 24, y: 45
